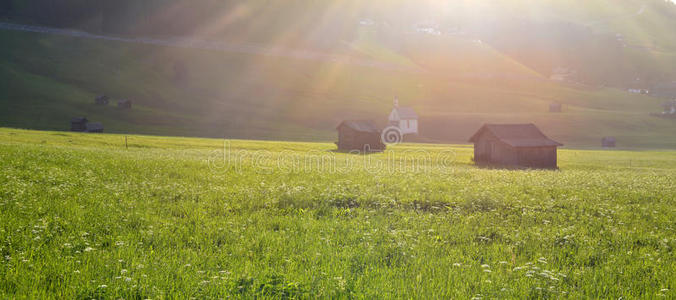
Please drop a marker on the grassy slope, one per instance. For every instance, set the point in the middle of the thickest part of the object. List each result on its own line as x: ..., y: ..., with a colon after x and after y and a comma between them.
x: 47, y: 80
x: 83, y: 217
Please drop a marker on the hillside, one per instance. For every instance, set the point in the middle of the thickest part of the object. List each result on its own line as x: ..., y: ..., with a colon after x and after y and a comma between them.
x: 474, y: 72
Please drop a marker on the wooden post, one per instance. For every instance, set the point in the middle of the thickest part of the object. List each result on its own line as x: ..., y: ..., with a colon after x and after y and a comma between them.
x: 126, y: 146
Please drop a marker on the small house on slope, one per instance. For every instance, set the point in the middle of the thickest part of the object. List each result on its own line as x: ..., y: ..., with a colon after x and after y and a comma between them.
x: 515, y: 145
x: 555, y: 107
x: 608, y: 142
x: 78, y: 124
x: 404, y: 118
x: 102, y: 100
x: 359, y: 135
x: 124, y: 104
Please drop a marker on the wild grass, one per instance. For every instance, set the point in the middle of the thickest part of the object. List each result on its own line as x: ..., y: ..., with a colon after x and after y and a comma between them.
x: 81, y: 216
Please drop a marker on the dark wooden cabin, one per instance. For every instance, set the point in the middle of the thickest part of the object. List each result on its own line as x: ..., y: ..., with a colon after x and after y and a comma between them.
x: 78, y: 124
x: 359, y: 135
x: 124, y: 104
x: 102, y: 100
x: 514, y: 145
x: 608, y: 142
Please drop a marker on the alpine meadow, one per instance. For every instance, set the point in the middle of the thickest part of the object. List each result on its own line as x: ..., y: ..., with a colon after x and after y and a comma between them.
x: 296, y: 149
x: 83, y: 217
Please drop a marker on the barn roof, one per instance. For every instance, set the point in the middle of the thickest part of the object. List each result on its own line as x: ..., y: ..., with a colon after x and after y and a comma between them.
x: 406, y: 113
x: 360, y: 125
x: 517, y: 135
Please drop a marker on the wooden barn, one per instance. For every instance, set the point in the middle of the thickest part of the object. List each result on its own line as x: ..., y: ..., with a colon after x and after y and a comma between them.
x: 359, y: 135
x: 124, y: 104
x: 514, y: 145
x: 78, y: 124
x: 608, y: 142
x: 102, y: 100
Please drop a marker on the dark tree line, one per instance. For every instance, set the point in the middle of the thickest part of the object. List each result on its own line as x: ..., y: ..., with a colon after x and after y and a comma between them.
x: 118, y: 16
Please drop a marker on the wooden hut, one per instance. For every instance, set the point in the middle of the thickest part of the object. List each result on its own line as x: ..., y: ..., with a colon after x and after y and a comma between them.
x: 78, y: 124
x: 555, y: 108
x: 608, y: 142
x: 94, y: 127
x: 102, y: 100
x: 359, y: 135
x: 515, y: 145
x: 124, y: 104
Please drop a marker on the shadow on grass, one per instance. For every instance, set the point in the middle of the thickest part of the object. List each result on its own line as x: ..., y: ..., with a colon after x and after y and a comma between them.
x: 486, y: 166
x: 355, y: 152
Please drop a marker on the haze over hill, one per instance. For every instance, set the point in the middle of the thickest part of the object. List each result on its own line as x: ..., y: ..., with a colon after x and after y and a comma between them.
x: 458, y: 63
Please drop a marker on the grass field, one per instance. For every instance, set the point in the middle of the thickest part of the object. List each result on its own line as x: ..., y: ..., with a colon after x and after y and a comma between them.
x: 81, y: 216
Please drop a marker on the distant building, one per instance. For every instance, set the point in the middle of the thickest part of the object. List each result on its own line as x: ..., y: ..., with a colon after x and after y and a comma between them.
x: 359, y: 135
x: 555, y: 107
x: 639, y: 91
x: 94, y: 127
x: 404, y: 118
x: 514, y: 145
x: 367, y: 22
x: 669, y: 107
x: 124, y: 104
x: 102, y: 100
x: 608, y: 142
x: 78, y: 124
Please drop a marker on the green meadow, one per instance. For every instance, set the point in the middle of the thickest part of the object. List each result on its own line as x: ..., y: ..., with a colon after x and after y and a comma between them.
x: 95, y: 216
